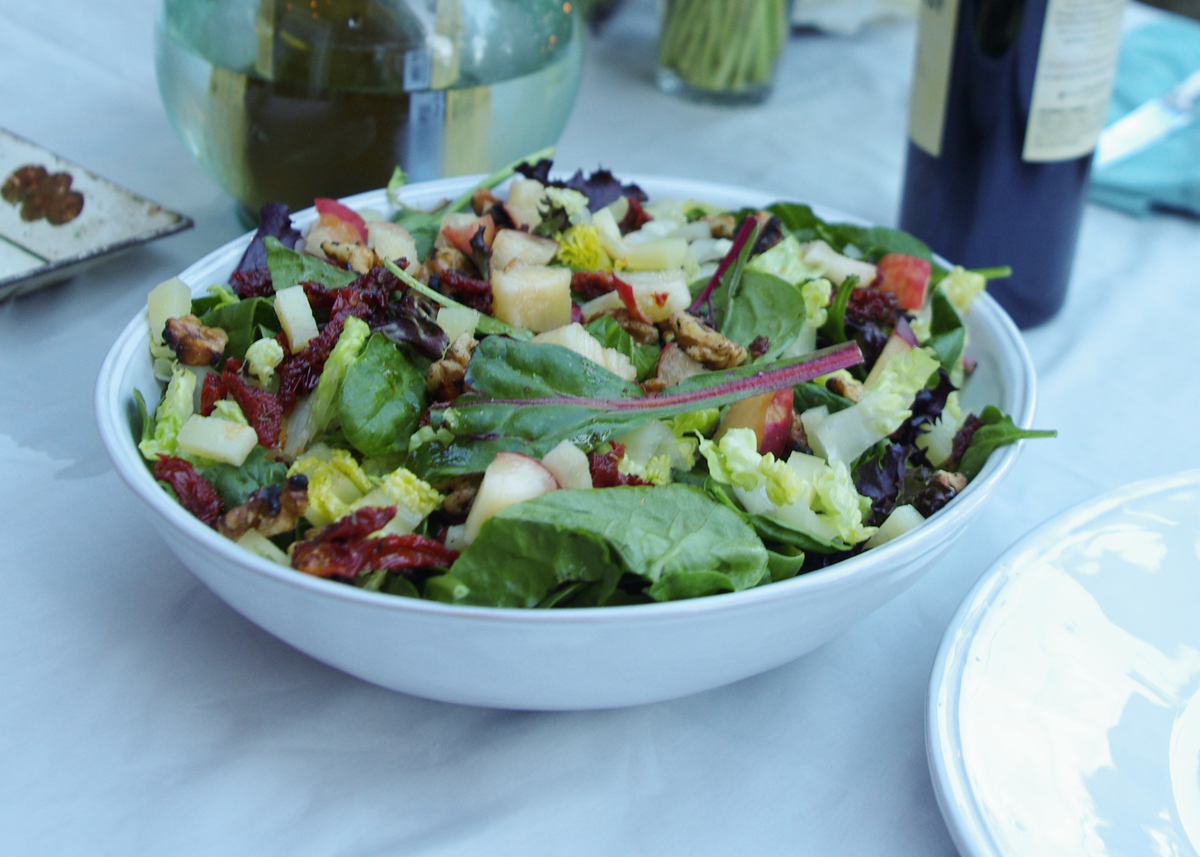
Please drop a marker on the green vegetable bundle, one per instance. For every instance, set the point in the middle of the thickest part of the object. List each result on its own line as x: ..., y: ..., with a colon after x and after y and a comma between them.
x: 723, y: 46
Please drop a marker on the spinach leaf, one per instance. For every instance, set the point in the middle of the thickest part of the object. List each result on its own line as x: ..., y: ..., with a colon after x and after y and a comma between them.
x: 814, y: 395
x: 503, y: 368
x: 611, y: 335
x: 675, y: 538
x: 947, y: 332
x: 873, y: 242
x: 236, y: 484
x: 783, y: 566
x: 289, y: 268
x: 242, y: 321
x: 997, y: 430
x: 145, y: 419
x: 381, y: 400
x: 762, y: 304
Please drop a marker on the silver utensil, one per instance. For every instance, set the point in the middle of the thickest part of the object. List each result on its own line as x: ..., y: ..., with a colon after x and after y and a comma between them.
x: 1149, y: 123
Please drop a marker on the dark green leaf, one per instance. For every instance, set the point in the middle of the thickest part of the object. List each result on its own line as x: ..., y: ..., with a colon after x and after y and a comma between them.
x: 945, y: 317
x: 783, y: 566
x: 997, y: 430
x: 381, y: 400
x: 677, y: 539
x: 764, y: 305
x: 947, y: 332
x: 236, y: 484
x: 814, y: 395
x: 145, y: 420
x: 243, y: 321
x: 289, y: 268
x: 423, y: 226
x: 611, y: 335
x: 503, y: 368
x: 948, y: 347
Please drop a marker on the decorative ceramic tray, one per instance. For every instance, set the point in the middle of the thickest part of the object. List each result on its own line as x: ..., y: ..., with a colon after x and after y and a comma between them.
x: 55, y: 217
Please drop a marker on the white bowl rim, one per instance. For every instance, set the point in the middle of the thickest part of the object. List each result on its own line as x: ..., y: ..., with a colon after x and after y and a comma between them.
x: 118, y: 441
x: 960, y: 804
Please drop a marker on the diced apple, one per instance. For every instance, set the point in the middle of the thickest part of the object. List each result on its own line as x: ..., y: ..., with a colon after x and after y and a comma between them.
x: 217, y: 439
x: 574, y: 337
x: 524, y: 196
x: 532, y: 297
x: 658, y: 254
x: 907, y: 277
x: 295, y: 317
x: 610, y: 234
x: 460, y: 229
x: 674, y: 366
x: 392, y: 241
x: 334, y: 210
x: 835, y: 266
x: 768, y: 415
x: 511, y: 478
x: 570, y: 466
x: 902, y: 519
x: 330, y: 228
x: 658, y: 293
x: 894, y: 347
x: 456, y: 320
x: 169, y: 299
x: 514, y: 244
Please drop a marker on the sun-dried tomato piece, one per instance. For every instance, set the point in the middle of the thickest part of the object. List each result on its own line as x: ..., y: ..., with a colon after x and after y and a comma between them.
x: 411, y: 551
x: 195, y: 493
x: 342, y: 548
x: 635, y: 218
x: 605, y: 472
x: 261, y: 409
x: 212, y: 391
x: 962, y: 439
x: 468, y: 290
x: 871, y: 305
x: 255, y: 283
x: 592, y: 284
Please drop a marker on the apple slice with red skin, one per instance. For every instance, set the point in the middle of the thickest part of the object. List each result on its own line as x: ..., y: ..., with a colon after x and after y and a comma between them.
x: 768, y: 415
x: 334, y: 210
x: 907, y: 277
x: 460, y: 232
x: 511, y: 478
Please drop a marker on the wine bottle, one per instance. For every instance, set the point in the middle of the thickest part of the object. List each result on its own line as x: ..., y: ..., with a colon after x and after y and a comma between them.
x: 1008, y: 100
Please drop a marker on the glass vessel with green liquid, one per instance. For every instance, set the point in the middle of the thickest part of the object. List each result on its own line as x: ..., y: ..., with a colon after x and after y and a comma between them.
x: 280, y: 100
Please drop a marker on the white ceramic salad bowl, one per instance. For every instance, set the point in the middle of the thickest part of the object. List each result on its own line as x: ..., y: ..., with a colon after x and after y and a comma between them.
x: 555, y: 659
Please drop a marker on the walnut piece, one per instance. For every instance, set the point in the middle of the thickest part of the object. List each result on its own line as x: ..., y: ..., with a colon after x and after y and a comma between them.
x: 460, y: 495
x: 642, y: 332
x: 721, y: 225
x: 847, y: 389
x: 954, y: 481
x: 359, y: 257
x: 272, y: 510
x: 444, y: 380
x: 702, y: 343
x: 193, y: 343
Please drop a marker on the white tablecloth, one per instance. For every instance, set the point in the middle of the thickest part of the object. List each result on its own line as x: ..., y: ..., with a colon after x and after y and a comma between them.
x: 140, y: 715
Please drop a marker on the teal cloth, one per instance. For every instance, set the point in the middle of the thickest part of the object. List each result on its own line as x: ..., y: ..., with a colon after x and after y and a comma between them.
x: 1166, y: 174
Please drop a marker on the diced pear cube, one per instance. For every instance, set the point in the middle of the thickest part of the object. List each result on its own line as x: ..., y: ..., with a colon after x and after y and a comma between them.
x: 392, y: 241
x: 511, y: 478
x: 570, y: 466
x: 658, y: 294
x: 456, y: 320
x: 530, y: 297
x: 217, y: 439
x: 902, y: 519
x: 524, y: 195
x: 656, y: 255
x: 295, y: 316
x: 574, y: 337
x: 512, y: 244
x: 169, y: 299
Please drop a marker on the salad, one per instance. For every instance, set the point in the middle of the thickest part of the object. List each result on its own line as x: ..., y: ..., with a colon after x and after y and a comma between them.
x: 566, y: 395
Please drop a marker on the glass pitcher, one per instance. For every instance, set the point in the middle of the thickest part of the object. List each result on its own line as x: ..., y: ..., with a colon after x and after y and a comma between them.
x: 283, y: 100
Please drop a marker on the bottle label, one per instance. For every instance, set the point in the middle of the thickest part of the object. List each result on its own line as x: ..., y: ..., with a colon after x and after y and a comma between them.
x: 931, y: 77
x: 1076, y: 65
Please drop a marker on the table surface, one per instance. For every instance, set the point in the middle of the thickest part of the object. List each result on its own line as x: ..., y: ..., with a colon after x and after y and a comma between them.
x: 139, y: 714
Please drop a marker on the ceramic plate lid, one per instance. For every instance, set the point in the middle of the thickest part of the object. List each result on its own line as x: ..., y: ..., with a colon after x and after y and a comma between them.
x: 55, y: 216
x: 1064, y: 706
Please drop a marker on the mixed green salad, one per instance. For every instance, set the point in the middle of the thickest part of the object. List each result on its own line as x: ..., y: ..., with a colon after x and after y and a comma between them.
x: 568, y: 395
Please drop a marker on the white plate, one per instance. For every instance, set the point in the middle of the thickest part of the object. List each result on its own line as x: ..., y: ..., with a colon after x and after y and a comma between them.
x: 1064, y: 706
x: 555, y: 659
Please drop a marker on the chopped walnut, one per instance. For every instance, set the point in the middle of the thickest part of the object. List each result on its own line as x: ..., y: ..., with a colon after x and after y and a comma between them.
x: 447, y: 259
x: 954, y: 481
x: 359, y: 257
x: 460, y: 495
x: 847, y: 389
x: 722, y: 225
x: 272, y: 510
x: 642, y: 332
x: 702, y: 343
x: 483, y: 200
x: 444, y: 380
x: 193, y: 343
